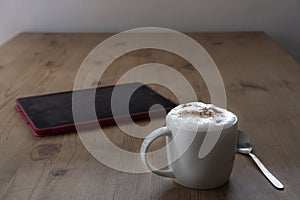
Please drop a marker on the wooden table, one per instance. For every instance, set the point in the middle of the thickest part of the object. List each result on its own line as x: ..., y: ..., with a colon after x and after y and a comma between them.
x: 262, y: 85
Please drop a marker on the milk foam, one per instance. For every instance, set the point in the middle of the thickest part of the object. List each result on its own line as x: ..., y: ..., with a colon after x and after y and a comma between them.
x: 200, y: 115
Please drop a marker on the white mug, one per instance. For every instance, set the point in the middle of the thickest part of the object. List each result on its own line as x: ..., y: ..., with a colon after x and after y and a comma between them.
x: 183, y: 146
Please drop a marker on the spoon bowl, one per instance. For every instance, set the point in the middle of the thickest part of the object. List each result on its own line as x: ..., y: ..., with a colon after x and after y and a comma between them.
x: 243, y: 146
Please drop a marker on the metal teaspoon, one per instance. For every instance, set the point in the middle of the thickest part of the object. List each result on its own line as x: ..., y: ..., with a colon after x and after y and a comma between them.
x: 244, y: 147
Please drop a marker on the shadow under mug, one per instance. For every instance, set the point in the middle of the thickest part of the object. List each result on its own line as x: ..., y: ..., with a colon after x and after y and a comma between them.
x: 185, y: 165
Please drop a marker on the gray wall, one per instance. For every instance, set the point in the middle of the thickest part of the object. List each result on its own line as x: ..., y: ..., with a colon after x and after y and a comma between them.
x: 279, y: 19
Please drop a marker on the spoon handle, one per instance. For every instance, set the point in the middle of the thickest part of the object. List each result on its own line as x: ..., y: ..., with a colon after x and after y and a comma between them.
x: 266, y: 172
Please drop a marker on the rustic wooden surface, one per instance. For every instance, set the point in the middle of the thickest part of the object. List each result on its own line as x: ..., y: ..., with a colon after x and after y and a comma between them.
x: 262, y: 84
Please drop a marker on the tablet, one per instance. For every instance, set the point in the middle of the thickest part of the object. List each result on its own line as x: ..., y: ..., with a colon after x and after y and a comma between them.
x: 52, y: 113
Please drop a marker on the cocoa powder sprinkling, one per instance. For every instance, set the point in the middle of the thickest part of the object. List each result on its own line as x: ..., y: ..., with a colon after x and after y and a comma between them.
x: 205, y: 113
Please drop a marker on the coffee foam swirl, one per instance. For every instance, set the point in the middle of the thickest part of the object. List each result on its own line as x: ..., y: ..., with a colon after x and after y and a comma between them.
x: 201, y: 115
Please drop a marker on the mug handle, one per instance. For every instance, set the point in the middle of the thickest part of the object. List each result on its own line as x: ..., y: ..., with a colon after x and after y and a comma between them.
x: 163, y: 131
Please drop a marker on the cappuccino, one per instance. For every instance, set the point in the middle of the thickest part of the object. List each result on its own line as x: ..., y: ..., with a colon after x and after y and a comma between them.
x: 201, y: 115
x: 200, y: 144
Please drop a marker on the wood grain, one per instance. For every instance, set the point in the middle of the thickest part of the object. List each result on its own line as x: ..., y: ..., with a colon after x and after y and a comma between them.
x: 262, y: 85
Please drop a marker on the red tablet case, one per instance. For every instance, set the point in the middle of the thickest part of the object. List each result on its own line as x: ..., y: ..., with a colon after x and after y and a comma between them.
x: 89, y: 124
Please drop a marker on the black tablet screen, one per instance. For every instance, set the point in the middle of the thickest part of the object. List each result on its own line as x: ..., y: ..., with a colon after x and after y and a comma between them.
x: 54, y: 110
